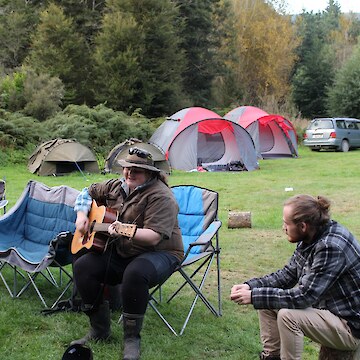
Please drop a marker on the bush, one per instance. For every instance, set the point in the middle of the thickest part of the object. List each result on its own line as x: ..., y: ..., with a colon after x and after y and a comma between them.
x: 12, y: 92
x: 43, y: 95
x: 18, y: 131
x: 12, y: 157
x: 99, y: 128
x: 35, y: 95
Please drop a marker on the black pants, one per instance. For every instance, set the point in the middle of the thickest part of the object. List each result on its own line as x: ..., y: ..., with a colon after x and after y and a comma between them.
x: 137, y: 275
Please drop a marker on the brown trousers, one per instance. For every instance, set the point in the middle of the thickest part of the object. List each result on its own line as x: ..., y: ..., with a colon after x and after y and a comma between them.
x: 282, y: 331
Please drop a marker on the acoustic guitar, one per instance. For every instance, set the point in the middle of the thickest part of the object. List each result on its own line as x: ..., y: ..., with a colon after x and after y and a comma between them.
x: 97, y: 237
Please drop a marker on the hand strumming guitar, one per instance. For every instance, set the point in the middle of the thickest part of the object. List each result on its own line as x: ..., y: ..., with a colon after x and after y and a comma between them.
x: 82, y: 222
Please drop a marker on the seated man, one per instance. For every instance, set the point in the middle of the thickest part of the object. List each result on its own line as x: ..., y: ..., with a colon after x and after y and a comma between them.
x: 317, y: 294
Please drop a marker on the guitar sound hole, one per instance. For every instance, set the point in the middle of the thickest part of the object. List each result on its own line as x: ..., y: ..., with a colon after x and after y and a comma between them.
x: 85, y: 238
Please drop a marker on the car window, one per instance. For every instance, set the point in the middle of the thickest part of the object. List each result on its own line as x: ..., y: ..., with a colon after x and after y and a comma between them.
x: 321, y: 124
x: 340, y: 124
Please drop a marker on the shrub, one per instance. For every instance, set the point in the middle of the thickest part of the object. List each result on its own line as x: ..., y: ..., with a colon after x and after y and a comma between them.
x: 18, y: 130
x: 35, y: 95
x: 43, y: 95
x: 12, y: 91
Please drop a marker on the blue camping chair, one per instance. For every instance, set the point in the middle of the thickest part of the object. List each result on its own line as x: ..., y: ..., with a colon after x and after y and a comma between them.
x: 198, y: 211
x: 35, y: 235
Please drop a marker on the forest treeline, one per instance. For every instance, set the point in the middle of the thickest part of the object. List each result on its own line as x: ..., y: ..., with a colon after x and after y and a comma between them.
x: 69, y: 68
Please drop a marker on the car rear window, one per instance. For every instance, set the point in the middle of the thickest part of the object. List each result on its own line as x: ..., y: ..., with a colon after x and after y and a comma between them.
x: 321, y: 124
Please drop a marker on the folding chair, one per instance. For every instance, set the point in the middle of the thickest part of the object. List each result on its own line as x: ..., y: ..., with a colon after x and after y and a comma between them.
x: 3, y: 201
x: 35, y: 237
x: 198, y: 209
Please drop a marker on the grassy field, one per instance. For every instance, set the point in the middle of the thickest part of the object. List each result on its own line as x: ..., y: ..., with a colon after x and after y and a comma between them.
x: 26, y: 334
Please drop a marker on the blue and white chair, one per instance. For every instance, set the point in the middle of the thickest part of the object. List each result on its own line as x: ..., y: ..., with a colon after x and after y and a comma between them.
x: 198, y: 220
x: 35, y: 236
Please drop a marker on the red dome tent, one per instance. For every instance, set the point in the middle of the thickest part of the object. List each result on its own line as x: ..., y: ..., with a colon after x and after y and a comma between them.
x: 198, y: 136
x: 273, y: 135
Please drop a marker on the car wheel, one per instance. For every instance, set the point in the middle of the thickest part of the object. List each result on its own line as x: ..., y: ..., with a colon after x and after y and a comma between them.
x: 345, y: 146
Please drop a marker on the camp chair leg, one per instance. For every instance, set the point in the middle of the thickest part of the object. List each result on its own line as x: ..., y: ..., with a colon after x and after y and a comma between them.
x: 198, y: 294
x: 12, y: 293
x: 32, y: 282
x: 50, y: 277
x: 162, y: 318
x: 219, y: 283
x: 159, y: 290
x: 67, y: 286
x: 188, y: 280
x: 62, y: 294
x: 15, y: 273
x: 185, y: 282
x: 198, y: 289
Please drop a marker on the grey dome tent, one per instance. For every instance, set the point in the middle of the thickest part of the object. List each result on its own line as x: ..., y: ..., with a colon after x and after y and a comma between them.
x: 197, y: 136
x: 273, y: 135
x: 121, y: 150
x: 62, y: 156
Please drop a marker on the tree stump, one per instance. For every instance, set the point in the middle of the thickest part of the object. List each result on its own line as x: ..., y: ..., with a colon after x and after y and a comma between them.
x: 332, y: 354
x: 239, y: 219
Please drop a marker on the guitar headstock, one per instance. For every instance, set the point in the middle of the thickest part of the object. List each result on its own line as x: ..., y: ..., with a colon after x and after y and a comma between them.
x: 124, y: 229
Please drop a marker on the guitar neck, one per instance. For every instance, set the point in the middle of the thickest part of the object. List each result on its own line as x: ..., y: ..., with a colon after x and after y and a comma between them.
x: 101, y: 227
x: 122, y: 229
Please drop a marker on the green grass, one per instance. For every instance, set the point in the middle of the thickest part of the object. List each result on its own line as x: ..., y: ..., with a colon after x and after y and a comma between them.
x: 26, y: 334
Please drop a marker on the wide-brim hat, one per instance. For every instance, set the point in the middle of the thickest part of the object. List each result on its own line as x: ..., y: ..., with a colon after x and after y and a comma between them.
x: 78, y: 352
x: 139, y: 158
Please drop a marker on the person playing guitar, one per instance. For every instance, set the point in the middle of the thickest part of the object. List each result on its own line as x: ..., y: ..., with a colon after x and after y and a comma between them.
x: 128, y: 233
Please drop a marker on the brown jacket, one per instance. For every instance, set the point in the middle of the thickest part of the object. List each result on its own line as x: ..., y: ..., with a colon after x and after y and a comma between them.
x: 151, y: 206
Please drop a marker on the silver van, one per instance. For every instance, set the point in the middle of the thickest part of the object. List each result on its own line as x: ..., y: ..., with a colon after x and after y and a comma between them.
x: 333, y: 133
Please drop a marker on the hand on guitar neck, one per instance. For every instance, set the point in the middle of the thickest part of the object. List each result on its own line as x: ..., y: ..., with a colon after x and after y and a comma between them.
x: 119, y: 228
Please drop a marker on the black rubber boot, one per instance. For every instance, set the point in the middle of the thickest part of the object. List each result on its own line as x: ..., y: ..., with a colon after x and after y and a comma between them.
x: 132, y: 326
x: 99, y: 325
x: 269, y: 357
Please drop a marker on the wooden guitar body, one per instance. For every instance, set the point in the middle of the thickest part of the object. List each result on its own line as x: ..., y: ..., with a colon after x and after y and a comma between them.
x: 96, y: 237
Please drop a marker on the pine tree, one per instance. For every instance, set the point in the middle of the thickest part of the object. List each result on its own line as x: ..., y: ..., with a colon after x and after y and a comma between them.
x: 117, y: 60
x: 344, y: 95
x: 200, y: 43
x: 17, y: 21
x: 58, y: 50
x: 315, y: 67
x: 139, y: 43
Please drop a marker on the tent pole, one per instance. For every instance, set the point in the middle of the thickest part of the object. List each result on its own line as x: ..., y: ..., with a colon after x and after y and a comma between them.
x: 77, y: 165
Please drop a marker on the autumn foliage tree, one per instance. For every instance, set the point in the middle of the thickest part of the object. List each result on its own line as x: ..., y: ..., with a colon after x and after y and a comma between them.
x: 264, y: 43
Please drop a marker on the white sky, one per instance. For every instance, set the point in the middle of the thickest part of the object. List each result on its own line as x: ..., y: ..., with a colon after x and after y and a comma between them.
x: 296, y: 6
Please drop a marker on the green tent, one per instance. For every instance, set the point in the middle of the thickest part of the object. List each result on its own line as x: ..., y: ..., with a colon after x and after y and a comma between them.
x: 120, y: 151
x: 62, y: 156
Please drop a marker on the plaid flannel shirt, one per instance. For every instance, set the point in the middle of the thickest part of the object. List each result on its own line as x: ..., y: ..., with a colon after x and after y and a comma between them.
x: 324, y: 274
x: 83, y: 201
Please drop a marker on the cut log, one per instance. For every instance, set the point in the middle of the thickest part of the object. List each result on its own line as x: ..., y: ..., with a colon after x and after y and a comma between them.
x: 239, y: 219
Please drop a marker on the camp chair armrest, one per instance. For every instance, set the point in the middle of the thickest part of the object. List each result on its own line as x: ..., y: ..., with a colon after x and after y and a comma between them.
x: 3, y: 203
x: 64, y: 238
x: 207, y: 235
